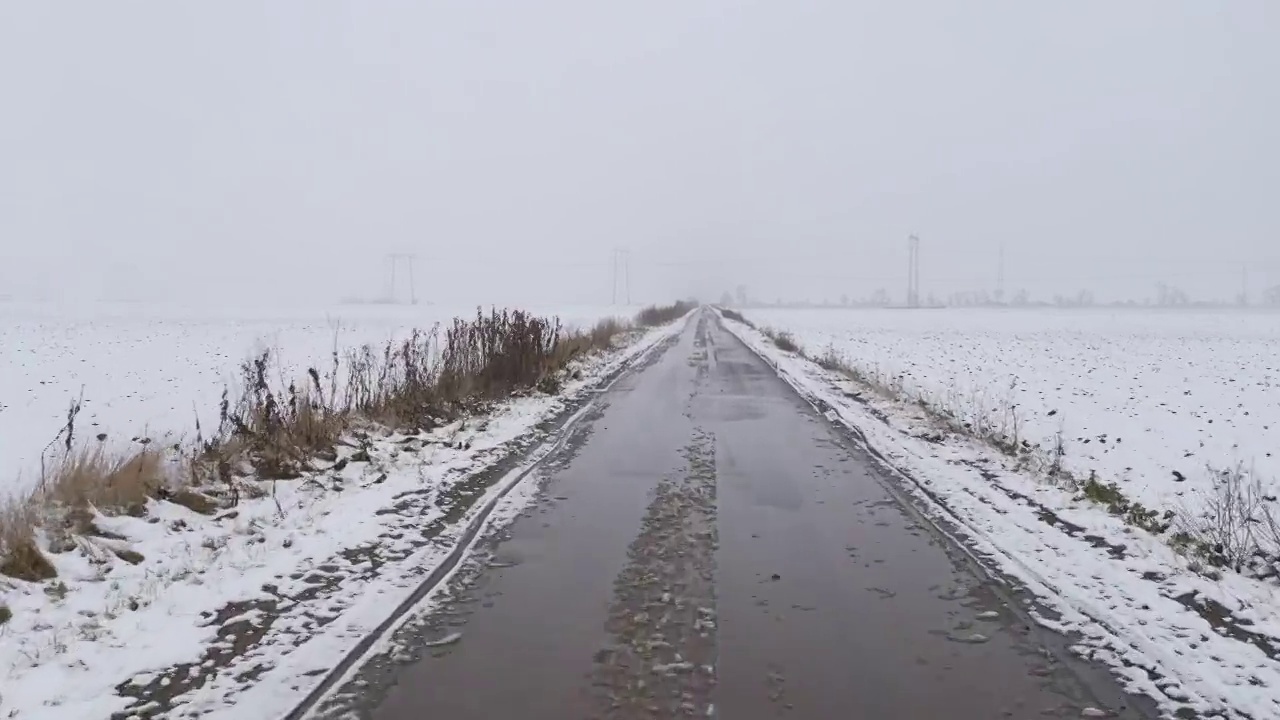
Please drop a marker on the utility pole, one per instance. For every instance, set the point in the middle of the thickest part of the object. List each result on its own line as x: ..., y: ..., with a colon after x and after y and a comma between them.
x: 395, y: 259
x: 413, y: 295
x: 622, y: 258
x: 1000, y: 276
x: 913, y: 271
x: 917, y: 273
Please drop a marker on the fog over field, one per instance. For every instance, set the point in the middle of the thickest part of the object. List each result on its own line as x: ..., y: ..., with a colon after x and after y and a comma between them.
x: 277, y: 152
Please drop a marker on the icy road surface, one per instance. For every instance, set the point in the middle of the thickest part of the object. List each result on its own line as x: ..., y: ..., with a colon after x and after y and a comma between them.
x: 708, y: 545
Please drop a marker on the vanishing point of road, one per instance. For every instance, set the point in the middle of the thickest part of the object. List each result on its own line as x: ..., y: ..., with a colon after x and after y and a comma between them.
x: 709, y: 546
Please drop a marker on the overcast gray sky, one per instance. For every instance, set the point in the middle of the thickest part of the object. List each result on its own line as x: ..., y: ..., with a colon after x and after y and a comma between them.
x: 278, y: 150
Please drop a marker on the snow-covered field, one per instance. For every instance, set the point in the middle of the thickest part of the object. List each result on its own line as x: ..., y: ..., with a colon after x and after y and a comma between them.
x: 1145, y: 398
x: 150, y: 371
x: 1205, y: 647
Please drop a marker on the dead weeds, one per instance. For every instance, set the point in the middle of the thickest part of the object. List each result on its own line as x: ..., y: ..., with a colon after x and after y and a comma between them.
x: 655, y: 315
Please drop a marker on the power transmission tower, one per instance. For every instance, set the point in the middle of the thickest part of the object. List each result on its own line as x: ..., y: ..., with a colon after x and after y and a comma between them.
x: 622, y: 260
x: 1000, y: 276
x: 913, y: 271
x: 395, y: 259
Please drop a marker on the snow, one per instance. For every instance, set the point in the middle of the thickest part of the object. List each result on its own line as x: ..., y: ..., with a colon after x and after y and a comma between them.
x: 151, y: 370
x: 1138, y: 394
x: 1122, y: 595
x: 70, y: 643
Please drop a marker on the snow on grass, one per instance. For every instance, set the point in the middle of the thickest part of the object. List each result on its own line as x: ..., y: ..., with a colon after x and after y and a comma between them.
x: 71, y: 644
x: 1145, y: 398
x: 1125, y: 597
x: 151, y: 371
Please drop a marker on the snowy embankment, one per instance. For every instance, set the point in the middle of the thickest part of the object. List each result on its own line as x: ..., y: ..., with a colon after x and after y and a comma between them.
x: 1127, y: 599
x: 240, y: 613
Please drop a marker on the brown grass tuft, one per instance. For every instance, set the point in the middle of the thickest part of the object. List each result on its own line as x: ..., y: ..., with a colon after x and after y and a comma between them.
x: 194, y: 501
x: 600, y: 337
x: 784, y: 340
x: 94, y: 478
x: 277, y: 429
x: 496, y: 354
x: 24, y: 561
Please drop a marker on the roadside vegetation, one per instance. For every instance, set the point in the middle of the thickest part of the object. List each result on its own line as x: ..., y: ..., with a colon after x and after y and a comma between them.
x: 1235, y: 526
x: 273, y: 429
x: 659, y: 314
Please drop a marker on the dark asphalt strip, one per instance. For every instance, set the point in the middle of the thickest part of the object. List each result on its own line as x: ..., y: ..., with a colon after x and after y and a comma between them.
x: 707, y: 544
x: 528, y: 464
x: 949, y: 529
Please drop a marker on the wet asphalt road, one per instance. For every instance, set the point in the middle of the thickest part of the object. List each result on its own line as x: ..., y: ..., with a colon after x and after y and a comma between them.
x: 710, y: 547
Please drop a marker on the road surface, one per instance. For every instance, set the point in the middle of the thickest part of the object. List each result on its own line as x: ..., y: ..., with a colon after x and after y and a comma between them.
x: 708, y: 546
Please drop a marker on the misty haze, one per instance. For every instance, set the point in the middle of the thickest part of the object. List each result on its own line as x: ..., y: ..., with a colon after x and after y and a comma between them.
x: 802, y: 359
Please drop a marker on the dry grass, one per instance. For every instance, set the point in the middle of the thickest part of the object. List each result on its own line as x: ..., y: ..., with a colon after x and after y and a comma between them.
x: 1234, y: 525
x: 784, y: 340
x: 736, y: 316
x: 660, y: 314
x: 395, y: 384
x: 17, y: 540
x: 23, y: 560
x: 599, y: 337
x: 82, y: 482
x: 275, y: 430
x: 496, y: 354
x: 95, y: 478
